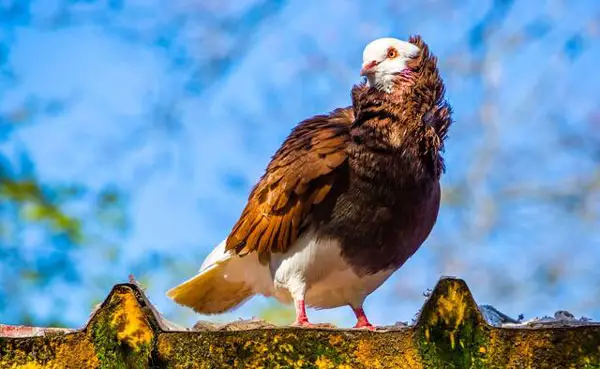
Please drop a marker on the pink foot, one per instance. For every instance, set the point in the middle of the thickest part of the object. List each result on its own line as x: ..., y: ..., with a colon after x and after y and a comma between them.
x: 301, y: 318
x: 361, y: 319
x: 305, y: 324
x: 362, y: 324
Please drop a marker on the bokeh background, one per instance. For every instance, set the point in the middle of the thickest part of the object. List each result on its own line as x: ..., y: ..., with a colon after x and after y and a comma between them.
x: 131, y: 133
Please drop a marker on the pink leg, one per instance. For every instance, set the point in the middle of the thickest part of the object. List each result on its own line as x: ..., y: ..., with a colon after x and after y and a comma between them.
x: 361, y: 319
x: 301, y: 318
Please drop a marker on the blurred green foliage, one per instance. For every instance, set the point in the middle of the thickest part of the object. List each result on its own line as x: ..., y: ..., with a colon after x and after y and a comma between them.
x: 35, y: 206
x: 41, y: 223
x: 277, y: 313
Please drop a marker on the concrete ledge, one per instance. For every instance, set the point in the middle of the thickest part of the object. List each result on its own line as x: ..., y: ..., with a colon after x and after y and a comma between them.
x: 127, y: 332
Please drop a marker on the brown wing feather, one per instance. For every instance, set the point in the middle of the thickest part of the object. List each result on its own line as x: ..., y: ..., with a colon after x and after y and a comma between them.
x: 301, y: 175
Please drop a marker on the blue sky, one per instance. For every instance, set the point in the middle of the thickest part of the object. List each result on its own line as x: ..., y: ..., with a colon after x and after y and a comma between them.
x: 302, y: 62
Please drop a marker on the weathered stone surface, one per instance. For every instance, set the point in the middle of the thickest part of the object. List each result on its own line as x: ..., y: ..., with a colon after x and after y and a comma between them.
x: 127, y: 332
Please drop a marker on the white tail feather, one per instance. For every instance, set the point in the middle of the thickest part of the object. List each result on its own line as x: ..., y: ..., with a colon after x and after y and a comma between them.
x: 224, y: 282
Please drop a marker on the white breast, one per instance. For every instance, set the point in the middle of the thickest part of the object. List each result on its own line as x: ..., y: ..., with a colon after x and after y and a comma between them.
x: 313, y: 268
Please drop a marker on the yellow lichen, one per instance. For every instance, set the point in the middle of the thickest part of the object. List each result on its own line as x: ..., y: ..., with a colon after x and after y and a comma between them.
x: 381, y: 352
x: 324, y: 363
x: 130, y: 323
x: 365, y: 355
x: 164, y: 347
x: 69, y: 351
x: 76, y: 349
x: 523, y: 351
x: 451, y: 308
x: 335, y: 340
x: 30, y: 365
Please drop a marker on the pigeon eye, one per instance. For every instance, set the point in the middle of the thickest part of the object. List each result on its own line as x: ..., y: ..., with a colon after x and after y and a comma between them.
x: 392, y: 53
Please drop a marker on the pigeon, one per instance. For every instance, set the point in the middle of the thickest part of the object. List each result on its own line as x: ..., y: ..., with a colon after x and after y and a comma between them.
x: 347, y: 199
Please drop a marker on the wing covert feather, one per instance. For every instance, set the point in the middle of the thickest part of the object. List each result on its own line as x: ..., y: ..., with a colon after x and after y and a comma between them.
x: 300, y: 175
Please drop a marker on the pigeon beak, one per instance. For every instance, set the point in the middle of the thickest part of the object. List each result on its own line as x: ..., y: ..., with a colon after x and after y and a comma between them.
x: 368, y: 68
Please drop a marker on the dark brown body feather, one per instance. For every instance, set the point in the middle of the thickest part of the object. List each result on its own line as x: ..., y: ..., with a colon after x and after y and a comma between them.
x: 367, y: 175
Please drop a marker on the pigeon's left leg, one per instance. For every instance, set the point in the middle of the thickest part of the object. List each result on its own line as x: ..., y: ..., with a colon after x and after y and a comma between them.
x: 297, y: 288
x: 361, y: 318
x: 301, y: 318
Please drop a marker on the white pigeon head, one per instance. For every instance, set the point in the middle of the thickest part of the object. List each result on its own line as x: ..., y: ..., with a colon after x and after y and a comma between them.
x: 383, y: 59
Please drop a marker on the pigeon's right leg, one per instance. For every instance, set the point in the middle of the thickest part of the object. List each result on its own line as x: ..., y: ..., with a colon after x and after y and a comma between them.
x: 361, y: 318
x: 301, y: 318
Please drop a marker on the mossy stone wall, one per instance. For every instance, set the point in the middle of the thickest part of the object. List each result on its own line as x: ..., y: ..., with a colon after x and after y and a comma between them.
x: 126, y: 332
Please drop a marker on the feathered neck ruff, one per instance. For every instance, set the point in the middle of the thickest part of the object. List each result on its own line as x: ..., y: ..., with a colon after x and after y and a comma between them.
x: 414, y: 117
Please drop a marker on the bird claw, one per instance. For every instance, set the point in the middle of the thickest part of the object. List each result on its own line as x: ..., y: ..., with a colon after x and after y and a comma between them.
x: 364, y: 325
x: 303, y: 324
x: 313, y: 325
